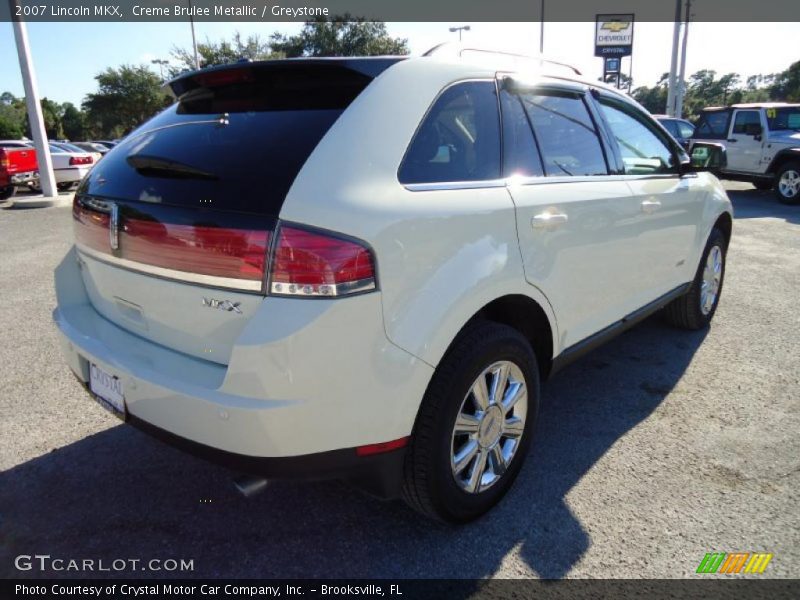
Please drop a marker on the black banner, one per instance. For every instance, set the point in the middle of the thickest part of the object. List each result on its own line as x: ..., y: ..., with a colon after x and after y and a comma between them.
x: 387, y: 10
x: 420, y: 589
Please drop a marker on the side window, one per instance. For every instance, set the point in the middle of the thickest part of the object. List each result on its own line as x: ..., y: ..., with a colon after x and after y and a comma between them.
x: 744, y: 118
x: 713, y: 125
x: 459, y: 140
x: 670, y: 126
x: 643, y: 151
x: 685, y: 129
x: 566, y: 135
x: 520, y: 154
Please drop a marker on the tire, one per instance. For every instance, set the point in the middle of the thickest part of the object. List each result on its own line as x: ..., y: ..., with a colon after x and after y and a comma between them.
x: 7, y: 192
x: 431, y: 485
x: 692, y: 310
x: 787, y: 183
x: 763, y: 184
x: 64, y: 187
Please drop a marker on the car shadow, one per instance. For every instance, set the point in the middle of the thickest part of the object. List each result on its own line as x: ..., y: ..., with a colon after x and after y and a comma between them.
x: 755, y: 204
x: 119, y: 494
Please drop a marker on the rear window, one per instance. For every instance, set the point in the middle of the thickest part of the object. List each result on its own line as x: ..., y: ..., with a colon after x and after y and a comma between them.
x: 713, y: 125
x: 235, y: 140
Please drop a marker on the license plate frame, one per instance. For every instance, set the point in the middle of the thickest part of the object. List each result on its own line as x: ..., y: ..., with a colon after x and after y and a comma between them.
x: 108, y: 390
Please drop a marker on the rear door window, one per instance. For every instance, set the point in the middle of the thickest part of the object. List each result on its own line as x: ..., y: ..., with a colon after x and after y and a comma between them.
x: 520, y: 153
x: 566, y: 135
x: 459, y: 139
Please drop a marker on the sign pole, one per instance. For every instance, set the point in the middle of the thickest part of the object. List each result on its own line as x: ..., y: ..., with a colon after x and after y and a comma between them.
x: 673, y: 69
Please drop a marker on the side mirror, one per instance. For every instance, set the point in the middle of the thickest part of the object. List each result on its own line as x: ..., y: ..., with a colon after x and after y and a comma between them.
x: 705, y: 156
x: 753, y: 129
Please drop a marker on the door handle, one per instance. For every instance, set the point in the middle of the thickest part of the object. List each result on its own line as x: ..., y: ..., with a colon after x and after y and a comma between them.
x: 548, y: 220
x: 650, y: 206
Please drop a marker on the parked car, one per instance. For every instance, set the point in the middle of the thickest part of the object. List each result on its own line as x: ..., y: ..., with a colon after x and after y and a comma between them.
x: 18, y: 168
x: 74, y: 149
x: 102, y: 149
x: 762, y: 143
x: 107, y: 143
x: 384, y: 309
x: 680, y: 129
x: 69, y: 166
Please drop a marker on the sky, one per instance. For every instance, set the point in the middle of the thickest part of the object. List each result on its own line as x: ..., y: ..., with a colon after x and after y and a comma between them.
x: 67, y: 56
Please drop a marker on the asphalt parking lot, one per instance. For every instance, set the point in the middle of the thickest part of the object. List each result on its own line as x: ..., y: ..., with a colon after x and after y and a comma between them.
x: 650, y: 452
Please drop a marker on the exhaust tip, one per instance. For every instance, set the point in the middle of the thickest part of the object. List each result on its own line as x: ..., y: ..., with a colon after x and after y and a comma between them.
x: 249, y: 486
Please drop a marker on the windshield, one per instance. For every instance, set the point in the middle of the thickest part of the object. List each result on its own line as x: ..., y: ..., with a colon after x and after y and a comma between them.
x: 783, y: 119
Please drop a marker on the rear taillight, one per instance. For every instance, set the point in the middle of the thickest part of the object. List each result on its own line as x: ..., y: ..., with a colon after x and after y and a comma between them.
x: 4, y: 162
x: 80, y: 160
x: 313, y: 263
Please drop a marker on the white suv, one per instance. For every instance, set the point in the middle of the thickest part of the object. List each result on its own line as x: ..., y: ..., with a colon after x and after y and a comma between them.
x: 361, y: 268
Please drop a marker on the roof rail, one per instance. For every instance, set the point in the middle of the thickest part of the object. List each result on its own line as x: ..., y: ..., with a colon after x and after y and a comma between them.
x: 457, y: 50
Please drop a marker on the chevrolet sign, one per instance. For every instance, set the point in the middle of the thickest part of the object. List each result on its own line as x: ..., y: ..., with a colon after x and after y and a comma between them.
x: 613, y: 35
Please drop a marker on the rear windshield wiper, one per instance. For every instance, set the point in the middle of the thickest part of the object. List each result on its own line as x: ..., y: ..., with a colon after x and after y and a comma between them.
x: 154, y: 166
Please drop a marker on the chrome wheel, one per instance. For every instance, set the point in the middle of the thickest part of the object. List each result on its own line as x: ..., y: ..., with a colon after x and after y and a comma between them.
x: 489, y: 427
x: 712, y: 278
x: 789, y: 183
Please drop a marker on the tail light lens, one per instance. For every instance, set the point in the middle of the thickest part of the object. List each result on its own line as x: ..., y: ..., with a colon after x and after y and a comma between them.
x: 4, y: 162
x: 80, y: 160
x: 312, y: 263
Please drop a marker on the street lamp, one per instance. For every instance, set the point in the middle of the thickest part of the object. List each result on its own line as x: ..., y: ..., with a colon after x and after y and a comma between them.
x: 160, y: 62
x: 459, y: 30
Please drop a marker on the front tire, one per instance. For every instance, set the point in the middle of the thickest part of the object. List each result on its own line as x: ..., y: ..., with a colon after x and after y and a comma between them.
x: 695, y: 309
x: 787, y: 183
x: 474, y: 426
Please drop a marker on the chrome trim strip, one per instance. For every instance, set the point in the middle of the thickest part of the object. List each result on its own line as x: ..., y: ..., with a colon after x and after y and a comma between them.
x: 113, y: 227
x: 244, y: 285
x: 455, y: 185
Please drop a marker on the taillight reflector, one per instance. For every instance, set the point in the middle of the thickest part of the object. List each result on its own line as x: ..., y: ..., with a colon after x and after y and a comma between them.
x: 216, y: 251
x: 382, y: 447
x: 310, y: 263
x: 80, y: 160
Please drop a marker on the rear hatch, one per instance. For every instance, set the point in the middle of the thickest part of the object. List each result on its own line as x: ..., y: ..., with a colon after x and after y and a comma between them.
x: 174, y: 225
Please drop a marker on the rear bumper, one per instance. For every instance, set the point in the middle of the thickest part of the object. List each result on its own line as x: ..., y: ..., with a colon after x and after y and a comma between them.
x: 303, y: 387
x: 71, y: 174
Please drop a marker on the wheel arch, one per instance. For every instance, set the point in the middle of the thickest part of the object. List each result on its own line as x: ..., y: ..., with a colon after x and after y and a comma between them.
x: 527, y: 316
x: 725, y: 224
x: 781, y: 158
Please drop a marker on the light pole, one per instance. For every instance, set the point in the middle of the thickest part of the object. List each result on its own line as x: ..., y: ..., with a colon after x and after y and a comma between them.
x: 194, y: 39
x: 47, y: 179
x: 682, y: 77
x: 160, y: 62
x: 541, y: 31
x: 459, y: 30
x: 673, y: 69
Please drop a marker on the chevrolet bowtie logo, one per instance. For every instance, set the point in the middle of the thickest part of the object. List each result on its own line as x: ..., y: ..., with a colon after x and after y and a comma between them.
x: 616, y: 26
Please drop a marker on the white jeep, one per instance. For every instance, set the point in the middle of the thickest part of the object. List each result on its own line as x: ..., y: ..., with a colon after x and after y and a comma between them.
x: 762, y: 143
x: 361, y: 268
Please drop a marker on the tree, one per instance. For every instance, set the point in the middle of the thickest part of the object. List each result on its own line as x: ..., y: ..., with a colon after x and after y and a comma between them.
x: 786, y: 85
x: 222, y: 52
x: 339, y: 36
x: 12, y: 116
x: 52, y: 112
x: 73, y: 122
x: 126, y: 97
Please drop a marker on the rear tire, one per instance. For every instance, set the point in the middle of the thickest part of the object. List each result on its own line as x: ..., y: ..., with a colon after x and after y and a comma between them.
x: 7, y: 192
x: 695, y: 309
x: 787, y: 183
x: 463, y: 459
